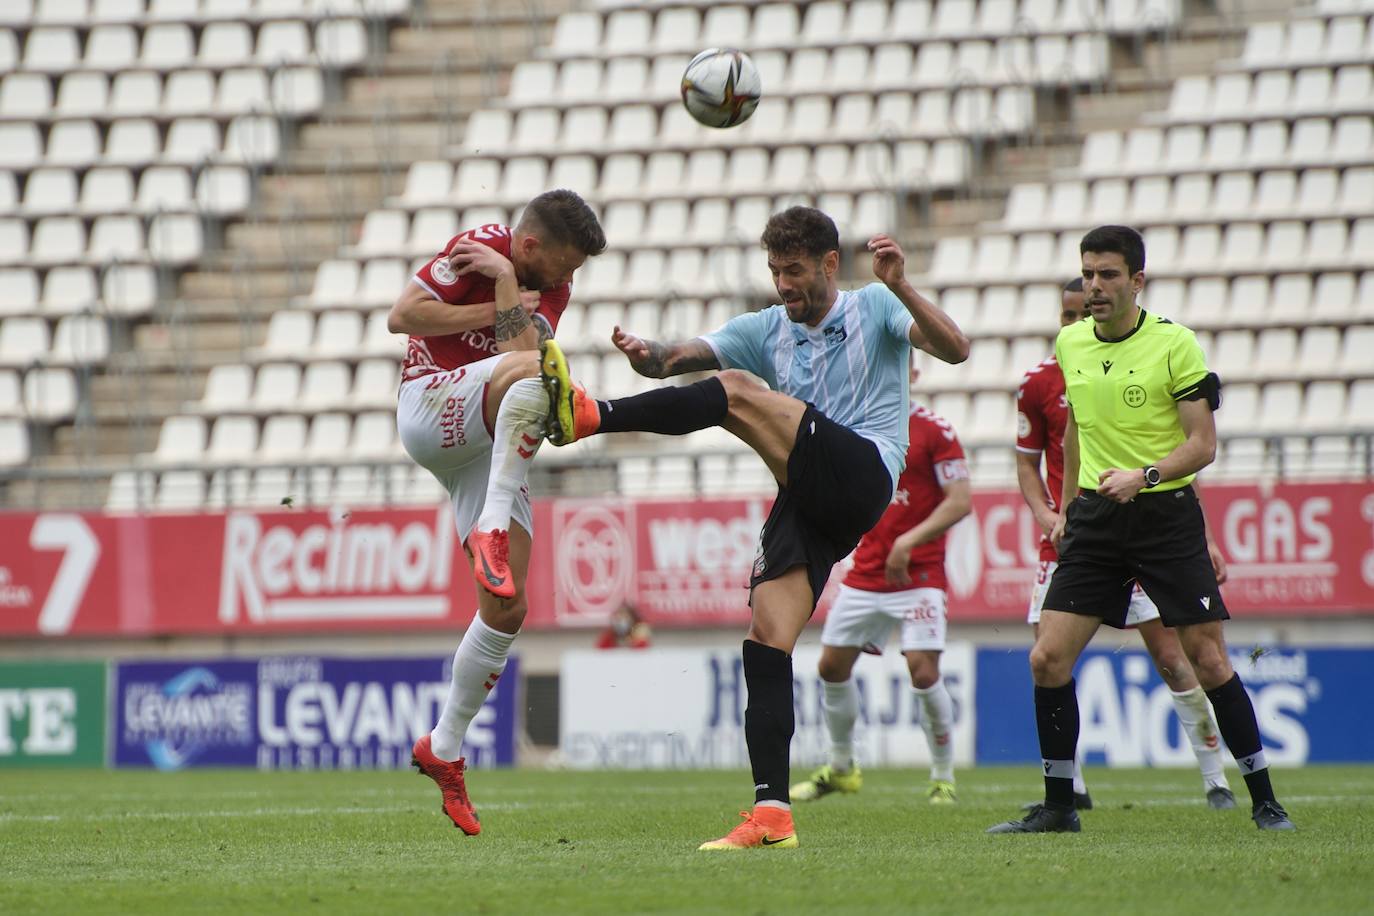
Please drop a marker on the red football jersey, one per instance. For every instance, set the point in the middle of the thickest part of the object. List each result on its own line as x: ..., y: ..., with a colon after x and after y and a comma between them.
x: 934, y: 457
x: 1042, y: 413
x: 427, y: 355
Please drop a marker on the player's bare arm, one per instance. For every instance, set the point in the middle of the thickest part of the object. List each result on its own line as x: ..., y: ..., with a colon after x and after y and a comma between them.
x: 653, y: 359
x: 1033, y: 490
x: 419, y: 313
x: 957, y: 503
x: 1070, y: 476
x: 934, y: 331
x: 1195, y: 452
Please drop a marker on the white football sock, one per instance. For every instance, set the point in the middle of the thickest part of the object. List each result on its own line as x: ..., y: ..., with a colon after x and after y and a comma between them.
x: 518, y: 435
x: 479, y: 661
x: 937, y: 720
x: 1196, y: 715
x: 841, y: 710
x: 1079, y: 786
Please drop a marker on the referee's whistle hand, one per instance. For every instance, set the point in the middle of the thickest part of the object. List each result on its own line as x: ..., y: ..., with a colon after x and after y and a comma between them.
x: 1121, y: 486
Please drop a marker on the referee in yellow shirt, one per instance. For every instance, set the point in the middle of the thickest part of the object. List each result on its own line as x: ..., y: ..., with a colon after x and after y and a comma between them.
x: 1140, y: 427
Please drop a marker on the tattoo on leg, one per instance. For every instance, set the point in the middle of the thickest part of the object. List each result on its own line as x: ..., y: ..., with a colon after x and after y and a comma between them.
x: 511, y: 323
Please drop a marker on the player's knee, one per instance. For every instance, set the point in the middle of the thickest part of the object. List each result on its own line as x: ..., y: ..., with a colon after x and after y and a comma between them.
x: 833, y: 670
x: 1211, y: 663
x: 738, y: 386
x: 924, y: 678
x: 1048, y: 666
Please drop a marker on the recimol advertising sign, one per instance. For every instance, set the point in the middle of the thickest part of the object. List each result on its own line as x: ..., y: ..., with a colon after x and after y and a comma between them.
x: 684, y: 708
x: 52, y: 713
x: 1306, y: 700
x: 296, y: 713
x: 1293, y: 549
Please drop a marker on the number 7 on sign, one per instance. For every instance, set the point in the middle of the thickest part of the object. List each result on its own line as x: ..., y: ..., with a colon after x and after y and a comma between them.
x: 72, y: 534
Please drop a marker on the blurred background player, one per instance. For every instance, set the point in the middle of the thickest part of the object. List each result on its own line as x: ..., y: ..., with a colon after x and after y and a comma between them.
x: 625, y: 630
x: 471, y: 411
x: 1139, y: 427
x: 832, y: 432
x: 898, y: 578
x: 1042, y: 410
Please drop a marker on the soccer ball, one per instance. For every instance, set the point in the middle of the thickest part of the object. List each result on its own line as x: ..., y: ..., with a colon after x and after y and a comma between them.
x: 721, y: 87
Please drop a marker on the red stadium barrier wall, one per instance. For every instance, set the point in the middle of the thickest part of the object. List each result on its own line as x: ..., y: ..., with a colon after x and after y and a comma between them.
x: 1294, y: 549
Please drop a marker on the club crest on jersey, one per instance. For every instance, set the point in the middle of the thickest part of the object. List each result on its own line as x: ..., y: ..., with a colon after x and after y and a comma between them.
x: 836, y: 334
x: 442, y: 272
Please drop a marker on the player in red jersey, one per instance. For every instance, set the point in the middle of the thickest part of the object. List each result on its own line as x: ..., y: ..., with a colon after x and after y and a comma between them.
x: 472, y: 410
x: 898, y: 577
x: 1042, y: 413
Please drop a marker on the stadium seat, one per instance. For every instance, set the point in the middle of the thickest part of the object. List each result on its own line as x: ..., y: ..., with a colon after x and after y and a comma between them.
x: 128, y: 289
x: 82, y: 95
x: 50, y: 394
x: 14, y: 442
x: 106, y: 190
x: 18, y: 290
x: 69, y: 289
x: 276, y: 387
x: 130, y: 491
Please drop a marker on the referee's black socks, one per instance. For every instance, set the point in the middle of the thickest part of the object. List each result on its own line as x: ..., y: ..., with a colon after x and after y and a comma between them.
x: 673, y: 410
x: 769, y: 719
x: 1056, y: 721
x: 1240, y: 730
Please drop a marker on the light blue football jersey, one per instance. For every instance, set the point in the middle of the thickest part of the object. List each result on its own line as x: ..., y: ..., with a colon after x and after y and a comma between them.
x: 853, y: 367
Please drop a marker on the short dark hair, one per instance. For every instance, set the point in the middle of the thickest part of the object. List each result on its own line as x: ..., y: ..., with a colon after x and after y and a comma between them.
x: 562, y: 217
x: 1074, y: 286
x: 801, y: 230
x: 1122, y: 240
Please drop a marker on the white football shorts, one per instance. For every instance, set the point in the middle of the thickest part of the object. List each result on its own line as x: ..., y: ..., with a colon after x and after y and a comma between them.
x: 1141, y: 609
x: 860, y: 618
x: 439, y: 418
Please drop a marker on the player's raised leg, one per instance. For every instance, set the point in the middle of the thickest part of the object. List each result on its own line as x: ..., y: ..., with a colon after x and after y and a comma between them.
x: 516, y: 410
x: 1190, y: 702
x: 840, y: 700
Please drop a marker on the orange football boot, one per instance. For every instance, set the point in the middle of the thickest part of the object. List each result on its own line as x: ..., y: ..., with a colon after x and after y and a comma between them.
x: 765, y: 827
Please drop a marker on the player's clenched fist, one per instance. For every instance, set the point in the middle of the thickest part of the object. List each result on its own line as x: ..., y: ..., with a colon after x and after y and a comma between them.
x: 470, y: 256
x: 889, y: 261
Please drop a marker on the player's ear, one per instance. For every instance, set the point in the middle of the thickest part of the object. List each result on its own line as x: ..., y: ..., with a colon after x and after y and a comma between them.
x: 830, y: 263
x: 1138, y: 282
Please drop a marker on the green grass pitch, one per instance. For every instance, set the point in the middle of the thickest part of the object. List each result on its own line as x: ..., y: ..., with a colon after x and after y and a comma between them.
x: 603, y: 842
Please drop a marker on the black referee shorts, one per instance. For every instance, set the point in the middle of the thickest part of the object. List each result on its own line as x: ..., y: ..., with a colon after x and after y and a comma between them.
x: 837, y: 489
x: 1158, y: 539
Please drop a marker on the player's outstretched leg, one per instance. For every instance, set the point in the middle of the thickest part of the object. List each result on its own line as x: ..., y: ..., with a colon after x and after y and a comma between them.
x: 517, y: 435
x: 671, y: 410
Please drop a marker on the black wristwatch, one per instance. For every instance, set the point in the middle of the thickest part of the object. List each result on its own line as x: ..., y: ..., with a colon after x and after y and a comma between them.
x: 1152, y: 476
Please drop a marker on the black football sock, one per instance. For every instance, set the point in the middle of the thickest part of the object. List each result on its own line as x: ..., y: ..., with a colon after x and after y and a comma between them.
x: 1056, y: 721
x: 672, y: 411
x: 1240, y: 730
x: 768, y: 719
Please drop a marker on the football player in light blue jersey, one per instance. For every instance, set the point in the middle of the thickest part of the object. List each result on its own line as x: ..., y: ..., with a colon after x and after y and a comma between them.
x: 832, y: 430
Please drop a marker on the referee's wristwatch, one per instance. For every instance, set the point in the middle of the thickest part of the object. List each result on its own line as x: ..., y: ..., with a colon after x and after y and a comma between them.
x: 1152, y: 476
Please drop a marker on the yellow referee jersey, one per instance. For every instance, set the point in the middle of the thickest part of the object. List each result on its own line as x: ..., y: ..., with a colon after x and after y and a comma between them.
x: 1123, y: 393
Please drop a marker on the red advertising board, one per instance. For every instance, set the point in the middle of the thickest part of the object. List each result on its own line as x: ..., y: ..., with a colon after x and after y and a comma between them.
x: 1304, y: 549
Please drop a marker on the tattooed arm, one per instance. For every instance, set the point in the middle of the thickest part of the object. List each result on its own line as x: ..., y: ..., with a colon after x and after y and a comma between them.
x: 659, y: 360
x: 511, y: 322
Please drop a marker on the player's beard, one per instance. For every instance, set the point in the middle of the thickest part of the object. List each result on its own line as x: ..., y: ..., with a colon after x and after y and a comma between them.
x: 810, y: 306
